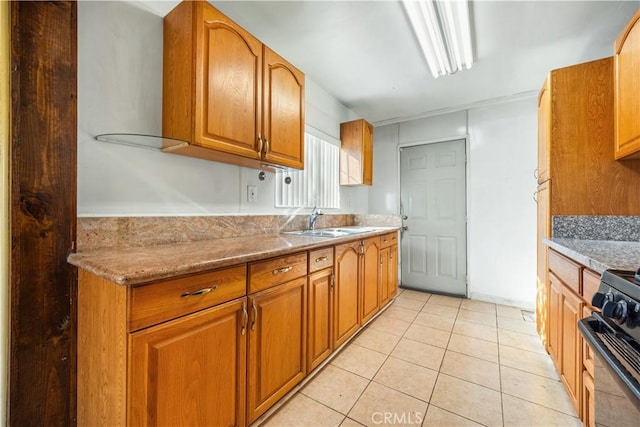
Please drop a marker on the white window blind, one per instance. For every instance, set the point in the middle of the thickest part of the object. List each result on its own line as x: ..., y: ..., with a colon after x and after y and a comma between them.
x: 316, y: 185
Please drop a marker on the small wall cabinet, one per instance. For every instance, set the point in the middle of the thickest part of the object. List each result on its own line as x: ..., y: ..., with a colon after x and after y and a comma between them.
x: 356, y: 153
x: 627, y: 90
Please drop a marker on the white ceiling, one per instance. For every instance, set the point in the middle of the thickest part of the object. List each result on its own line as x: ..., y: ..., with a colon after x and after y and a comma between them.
x: 364, y: 52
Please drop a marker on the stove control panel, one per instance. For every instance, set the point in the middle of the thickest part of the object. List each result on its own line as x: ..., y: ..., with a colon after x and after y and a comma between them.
x: 617, y: 306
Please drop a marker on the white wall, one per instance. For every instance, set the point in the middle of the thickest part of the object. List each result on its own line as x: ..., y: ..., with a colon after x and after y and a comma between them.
x: 120, y: 90
x: 502, y: 215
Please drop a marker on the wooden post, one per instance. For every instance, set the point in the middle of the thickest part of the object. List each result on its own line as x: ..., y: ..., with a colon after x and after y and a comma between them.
x: 43, y: 213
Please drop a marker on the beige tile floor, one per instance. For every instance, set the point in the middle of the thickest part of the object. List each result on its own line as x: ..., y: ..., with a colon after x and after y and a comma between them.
x: 432, y: 360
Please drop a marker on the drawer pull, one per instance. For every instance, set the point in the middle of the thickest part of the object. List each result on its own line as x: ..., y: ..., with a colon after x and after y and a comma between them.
x: 199, y: 292
x: 255, y: 315
x: 282, y: 270
x: 245, y: 318
x: 321, y: 259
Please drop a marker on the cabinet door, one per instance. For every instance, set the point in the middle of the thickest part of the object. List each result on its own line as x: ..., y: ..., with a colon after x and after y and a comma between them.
x: 384, y: 277
x: 346, y: 320
x: 191, y: 371
x: 544, y: 131
x: 544, y: 231
x: 320, y: 317
x: 227, y: 86
x: 588, y: 402
x: 370, y: 278
x: 392, y: 274
x: 367, y: 154
x: 627, y: 90
x: 283, y: 112
x: 555, y: 320
x: 571, y: 353
x: 277, y: 344
x: 356, y: 153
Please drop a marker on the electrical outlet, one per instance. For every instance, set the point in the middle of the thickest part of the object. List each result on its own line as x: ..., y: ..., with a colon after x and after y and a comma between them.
x: 252, y: 193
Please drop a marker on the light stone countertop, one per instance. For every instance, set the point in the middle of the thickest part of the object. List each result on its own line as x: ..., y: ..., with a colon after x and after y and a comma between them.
x: 599, y: 255
x: 137, y: 265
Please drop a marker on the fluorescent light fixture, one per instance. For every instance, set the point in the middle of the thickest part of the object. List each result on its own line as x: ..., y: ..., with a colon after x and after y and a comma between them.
x: 443, y: 31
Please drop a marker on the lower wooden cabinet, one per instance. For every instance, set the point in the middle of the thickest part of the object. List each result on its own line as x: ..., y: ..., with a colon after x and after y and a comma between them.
x: 566, y: 307
x: 388, y: 274
x: 555, y: 320
x: 588, y: 402
x: 571, y: 373
x: 191, y: 371
x: 197, y: 350
x: 320, y: 317
x: 277, y: 344
x: 346, y: 313
x: 369, y: 278
x: 189, y: 368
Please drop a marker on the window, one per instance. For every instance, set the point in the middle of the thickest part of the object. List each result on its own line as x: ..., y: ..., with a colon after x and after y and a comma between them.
x: 318, y: 184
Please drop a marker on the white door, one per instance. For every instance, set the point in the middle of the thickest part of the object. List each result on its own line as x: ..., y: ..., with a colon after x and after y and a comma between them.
x: 433, y: 195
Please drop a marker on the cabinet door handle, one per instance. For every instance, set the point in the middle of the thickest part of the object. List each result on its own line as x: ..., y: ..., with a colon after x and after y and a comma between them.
x: 321, y: 259
x: 282, y: 270
x: 199, y: 292
x: 245, y: 318
x: 535, y: 196
x: 255, y: 315
x: 266, y: 146
x: 535, y: 173
x: 259, y: 144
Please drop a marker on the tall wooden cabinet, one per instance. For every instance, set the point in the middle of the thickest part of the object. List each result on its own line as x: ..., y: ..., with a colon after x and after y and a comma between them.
x: 231, y: 97
x: 577, y: 172
x: 627, y: 90
x: 356, y: 153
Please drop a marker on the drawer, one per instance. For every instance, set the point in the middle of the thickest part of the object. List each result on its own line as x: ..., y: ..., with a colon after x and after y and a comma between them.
x: 161, y: 301
x: 566, y: 270
x: 388, y: 239
x: 590, y: 285
x: 274, y: 271
x: 320, y: 259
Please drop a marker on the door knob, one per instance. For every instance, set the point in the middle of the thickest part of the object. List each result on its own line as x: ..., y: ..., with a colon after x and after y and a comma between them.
x: 404, y: 217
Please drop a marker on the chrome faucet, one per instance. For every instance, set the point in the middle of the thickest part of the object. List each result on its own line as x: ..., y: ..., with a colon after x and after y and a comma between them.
x: 313, y: 218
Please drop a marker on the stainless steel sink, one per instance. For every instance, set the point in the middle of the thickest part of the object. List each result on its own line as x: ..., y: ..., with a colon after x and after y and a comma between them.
x: 331, y: 232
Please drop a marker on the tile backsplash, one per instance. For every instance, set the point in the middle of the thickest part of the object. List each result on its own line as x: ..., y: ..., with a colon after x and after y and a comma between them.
x: 609, y: 227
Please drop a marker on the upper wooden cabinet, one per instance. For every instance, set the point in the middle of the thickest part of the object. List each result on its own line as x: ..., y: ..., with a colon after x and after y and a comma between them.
x: 575, y: 137
x: 627, y: 90
x: 356, y: 153
x: 283, y: 113
x: 232, y: 98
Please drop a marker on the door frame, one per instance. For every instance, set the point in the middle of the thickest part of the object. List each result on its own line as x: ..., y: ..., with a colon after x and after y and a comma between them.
x: 467, y: 150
